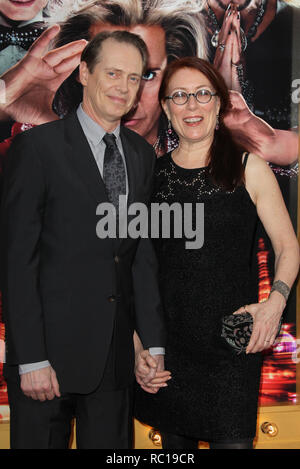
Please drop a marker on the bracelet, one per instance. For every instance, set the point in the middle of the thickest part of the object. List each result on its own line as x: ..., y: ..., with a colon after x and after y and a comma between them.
x: 282, y: 288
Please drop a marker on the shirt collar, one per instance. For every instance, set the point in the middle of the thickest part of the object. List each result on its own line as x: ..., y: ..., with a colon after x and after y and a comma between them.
x: 93, y: 131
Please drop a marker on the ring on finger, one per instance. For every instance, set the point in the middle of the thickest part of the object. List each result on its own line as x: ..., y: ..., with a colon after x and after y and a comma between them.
x: 222, y: 47
x: 238, y: 65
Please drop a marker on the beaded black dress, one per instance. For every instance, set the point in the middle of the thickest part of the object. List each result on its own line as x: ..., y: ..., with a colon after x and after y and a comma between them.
x: 213, y: 392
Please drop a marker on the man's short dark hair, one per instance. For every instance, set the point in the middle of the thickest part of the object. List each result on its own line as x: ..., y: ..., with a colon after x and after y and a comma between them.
x: 91, y: 55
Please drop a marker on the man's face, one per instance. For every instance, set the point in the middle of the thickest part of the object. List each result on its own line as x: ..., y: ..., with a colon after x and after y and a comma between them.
x: 21, y: 10
x: 111, y: 88
x: 144, y: 116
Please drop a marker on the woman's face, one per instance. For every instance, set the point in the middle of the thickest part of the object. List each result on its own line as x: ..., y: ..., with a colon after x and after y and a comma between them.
x: 192, y: 121
x: 21, y: 10
x: 144, y: 116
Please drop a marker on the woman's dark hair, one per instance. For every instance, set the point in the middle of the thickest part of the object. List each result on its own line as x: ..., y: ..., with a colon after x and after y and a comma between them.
x: 70, y: 93
x: 224, y: 159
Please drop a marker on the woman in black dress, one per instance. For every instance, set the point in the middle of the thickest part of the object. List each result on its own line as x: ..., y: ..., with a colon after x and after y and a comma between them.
x: 213, y: 393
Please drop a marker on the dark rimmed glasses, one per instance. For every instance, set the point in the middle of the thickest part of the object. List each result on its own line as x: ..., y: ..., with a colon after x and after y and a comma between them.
x: 203, y: 96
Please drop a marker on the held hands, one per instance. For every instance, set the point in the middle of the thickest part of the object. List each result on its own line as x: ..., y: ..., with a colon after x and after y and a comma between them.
x: 266, y: 317
x: 229, y: 54
x: 149, y: 371
x: 41, y: 384
x: 32, y: 83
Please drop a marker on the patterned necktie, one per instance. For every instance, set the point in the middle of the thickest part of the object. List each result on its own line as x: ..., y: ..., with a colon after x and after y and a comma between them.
x: 114, y: 175
x: 22, y: 37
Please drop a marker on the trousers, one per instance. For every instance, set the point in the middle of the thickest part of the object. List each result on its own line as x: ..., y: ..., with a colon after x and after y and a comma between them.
x: 103, y: 417
x: 172, y: 441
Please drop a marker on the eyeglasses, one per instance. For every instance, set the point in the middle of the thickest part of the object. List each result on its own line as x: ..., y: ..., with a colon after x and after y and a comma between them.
x: 203, y: 96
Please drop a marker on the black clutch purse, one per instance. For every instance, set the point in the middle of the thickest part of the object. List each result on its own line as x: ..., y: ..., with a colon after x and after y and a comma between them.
x: 237, y: 330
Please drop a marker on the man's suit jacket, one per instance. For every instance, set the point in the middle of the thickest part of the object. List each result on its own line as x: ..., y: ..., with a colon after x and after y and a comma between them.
x: 66, y: 292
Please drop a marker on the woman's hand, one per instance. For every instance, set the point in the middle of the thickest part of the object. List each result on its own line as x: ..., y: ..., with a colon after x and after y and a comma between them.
x: 30, y: 85
x: 266, y: 317
x: 229, y: 54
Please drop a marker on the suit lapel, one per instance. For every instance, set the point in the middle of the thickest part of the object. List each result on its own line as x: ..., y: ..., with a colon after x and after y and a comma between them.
x: 79, y: 151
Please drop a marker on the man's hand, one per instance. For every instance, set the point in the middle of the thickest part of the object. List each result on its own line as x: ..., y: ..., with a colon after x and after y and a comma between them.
x: 30, y: 85
x: 41, y: 384
x: 257, y: 136
x: 150, y: 373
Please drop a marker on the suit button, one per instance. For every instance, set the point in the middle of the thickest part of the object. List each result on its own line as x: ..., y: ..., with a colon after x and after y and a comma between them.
x: 111, y: 299
x: 117, y: 259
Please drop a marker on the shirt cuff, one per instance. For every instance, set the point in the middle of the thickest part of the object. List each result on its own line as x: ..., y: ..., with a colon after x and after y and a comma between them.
x: 28, y: 367
x: 157, y: 351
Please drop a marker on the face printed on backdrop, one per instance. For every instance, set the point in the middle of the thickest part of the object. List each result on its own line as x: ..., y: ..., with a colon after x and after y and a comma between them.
x: 21, y: 10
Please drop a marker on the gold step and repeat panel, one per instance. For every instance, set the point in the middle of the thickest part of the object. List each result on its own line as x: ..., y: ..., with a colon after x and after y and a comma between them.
x: 278, y: 428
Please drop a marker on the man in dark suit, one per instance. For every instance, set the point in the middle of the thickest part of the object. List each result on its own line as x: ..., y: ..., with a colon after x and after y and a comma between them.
x: 71, y: 300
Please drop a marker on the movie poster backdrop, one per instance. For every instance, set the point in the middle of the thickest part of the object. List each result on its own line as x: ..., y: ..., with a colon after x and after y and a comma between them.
x: 265, y: 70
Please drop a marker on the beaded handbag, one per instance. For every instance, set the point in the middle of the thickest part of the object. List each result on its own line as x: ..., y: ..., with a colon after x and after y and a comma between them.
x: 237, y: 330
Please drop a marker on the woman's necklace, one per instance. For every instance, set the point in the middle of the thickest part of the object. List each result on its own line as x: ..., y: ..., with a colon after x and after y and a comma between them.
x: 239, y: 7
x: 244, y: 38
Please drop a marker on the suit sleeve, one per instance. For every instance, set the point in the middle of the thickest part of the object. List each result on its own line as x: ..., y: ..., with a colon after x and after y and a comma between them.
x: 148, y: 308
x: 22, y: 209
